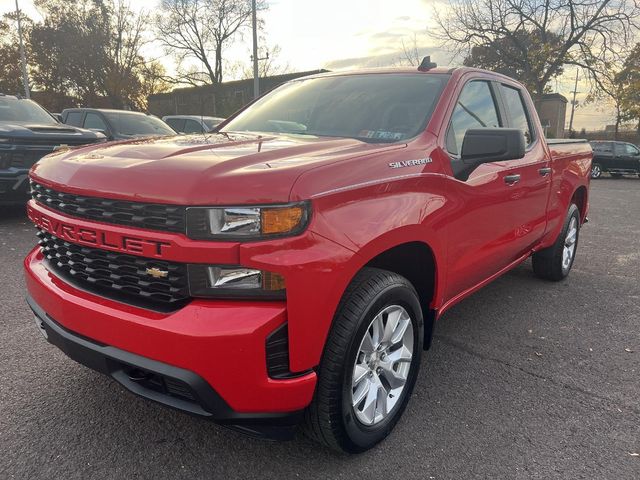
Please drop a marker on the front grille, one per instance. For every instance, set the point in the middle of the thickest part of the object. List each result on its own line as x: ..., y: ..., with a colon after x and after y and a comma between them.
x: 22, y: 158
x: 115, y: 275
x: 143, y: 215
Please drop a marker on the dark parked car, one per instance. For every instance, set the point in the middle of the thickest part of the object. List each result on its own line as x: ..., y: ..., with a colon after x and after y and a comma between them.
x: 616, y: 158
x: 27, y: 133
x: 117, y: 124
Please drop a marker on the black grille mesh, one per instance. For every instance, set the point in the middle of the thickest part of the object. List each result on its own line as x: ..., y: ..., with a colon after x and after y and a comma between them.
x: 116, y: 275
x: 22, y: 158
x: 142, y: 215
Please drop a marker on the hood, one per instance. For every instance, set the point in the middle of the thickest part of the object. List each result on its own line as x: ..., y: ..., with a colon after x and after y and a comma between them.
x: 54, y: 134
x: 212, y: 169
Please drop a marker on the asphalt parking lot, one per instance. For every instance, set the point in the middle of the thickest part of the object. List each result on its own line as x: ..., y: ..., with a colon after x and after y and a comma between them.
x: 525, y: 379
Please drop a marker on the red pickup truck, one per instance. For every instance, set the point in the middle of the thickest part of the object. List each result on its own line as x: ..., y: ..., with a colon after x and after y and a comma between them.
x: 289, y: 267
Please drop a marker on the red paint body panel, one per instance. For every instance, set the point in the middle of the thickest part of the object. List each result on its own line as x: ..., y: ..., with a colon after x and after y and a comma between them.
x: 476, y: 230
x: 222, y: 341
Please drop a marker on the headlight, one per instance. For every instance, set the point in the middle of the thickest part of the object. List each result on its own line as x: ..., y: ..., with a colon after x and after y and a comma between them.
x: 246, y: 223
x: 224, y: 281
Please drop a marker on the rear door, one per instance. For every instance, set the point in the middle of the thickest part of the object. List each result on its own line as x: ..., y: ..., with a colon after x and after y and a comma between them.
x: 603, y: 154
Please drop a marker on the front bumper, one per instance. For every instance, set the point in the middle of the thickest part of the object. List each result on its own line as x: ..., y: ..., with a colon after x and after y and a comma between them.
x: 207, y: 359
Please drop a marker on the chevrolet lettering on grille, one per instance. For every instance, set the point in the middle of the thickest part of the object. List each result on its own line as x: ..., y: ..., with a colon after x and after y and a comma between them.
x: 97, y: 238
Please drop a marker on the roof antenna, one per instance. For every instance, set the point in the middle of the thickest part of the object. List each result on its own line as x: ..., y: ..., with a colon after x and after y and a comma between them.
x: 427, y: 64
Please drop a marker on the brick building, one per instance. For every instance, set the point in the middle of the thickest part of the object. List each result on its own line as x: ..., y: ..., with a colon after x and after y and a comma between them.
x: 219, y: 101
x: 552, y: 110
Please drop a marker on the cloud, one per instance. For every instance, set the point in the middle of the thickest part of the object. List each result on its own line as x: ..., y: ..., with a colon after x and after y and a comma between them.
x: 390, y: 59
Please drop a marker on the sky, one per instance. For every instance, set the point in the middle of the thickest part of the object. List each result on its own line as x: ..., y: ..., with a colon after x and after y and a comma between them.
x: 347, y: 34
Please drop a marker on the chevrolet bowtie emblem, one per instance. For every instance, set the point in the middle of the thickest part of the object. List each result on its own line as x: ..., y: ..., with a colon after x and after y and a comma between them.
x: 157, y: 273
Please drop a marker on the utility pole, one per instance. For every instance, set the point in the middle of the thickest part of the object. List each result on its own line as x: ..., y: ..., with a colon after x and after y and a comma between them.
x: 573, y: 103
x: 23, y: 58
x: 256, y: 81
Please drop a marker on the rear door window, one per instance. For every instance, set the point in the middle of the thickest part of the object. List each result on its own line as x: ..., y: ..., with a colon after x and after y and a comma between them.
x: 191, y: 126
x: 475, y: 108
x: 93, y: 120
x: 621, y: 149
x: 517, y: 112
x: 176, y: 123
x: 602, y: 147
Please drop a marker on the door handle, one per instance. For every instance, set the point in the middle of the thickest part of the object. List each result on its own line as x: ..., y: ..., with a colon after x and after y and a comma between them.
x: 544, y: 171
x: 512, y: 179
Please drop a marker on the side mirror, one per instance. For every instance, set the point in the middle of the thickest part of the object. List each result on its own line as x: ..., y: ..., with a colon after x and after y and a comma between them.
x: 486, y: 145
x: 103, y: 132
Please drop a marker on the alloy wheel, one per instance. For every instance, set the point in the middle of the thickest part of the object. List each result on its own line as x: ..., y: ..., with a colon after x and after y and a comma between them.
x: 382, y: 365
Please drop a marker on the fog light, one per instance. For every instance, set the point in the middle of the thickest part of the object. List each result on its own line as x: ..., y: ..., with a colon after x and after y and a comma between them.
x: 224, y: 281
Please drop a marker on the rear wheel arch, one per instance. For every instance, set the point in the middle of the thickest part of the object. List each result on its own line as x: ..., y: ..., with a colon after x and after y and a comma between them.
x: 580, y: 199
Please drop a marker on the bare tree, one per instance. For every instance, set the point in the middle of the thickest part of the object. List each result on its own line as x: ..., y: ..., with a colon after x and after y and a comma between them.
x: 410, y: 52
x: 125, y: 60
x: 585, y: 33
x: 200, y: 30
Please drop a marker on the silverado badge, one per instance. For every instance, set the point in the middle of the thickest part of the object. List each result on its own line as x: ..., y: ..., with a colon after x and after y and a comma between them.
x: 410, y: 163
x: 157, y: 273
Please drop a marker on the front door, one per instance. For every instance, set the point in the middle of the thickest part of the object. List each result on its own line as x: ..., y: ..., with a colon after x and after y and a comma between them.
x: 528, y: 203
x: 481, y: 232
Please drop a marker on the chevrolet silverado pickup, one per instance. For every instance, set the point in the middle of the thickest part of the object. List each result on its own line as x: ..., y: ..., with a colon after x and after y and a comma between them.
x: 288, y: 268
x: 27, y: 133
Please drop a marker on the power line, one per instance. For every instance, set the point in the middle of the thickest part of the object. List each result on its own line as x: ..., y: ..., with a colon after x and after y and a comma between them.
x: 573, y: 103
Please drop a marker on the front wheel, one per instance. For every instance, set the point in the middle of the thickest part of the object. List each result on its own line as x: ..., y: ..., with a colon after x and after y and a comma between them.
x: 596, y: 171
x: 554, y: 263
x: 370, y: 363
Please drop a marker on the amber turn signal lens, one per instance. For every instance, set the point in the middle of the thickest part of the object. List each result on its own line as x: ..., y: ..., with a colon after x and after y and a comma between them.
x: 281, y: 220
x: 272, y: 282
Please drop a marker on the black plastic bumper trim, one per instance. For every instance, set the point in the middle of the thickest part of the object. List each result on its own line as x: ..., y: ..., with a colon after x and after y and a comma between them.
x: 207, y: 403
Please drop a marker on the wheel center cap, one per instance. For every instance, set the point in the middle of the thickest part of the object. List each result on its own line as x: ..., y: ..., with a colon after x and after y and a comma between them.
x: 374, y: 360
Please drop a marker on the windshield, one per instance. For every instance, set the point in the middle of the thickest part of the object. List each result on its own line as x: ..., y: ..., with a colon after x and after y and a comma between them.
x: 370, y: 107
x: 138, y: 124
x: 23, y: 112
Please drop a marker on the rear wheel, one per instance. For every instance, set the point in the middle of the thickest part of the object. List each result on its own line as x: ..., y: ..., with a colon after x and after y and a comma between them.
x: 596, y: 170
x: 370, y: 363
x: 554, y: 263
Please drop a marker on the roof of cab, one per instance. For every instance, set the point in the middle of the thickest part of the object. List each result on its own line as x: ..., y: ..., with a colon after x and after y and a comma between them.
x: 458, y: 71
x: 104, y: 110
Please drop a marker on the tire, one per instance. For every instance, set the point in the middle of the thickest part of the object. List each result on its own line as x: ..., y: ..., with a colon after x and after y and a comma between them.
x: 596, y: 170
x: 554, y: 263
x: 333, y: 419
